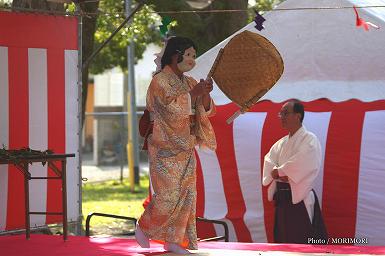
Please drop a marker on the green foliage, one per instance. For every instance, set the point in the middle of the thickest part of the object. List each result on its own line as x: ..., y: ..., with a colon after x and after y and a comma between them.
x: 206, y: 29
x: 266, y: 5
x: 262, y: 6
x: 5, y: 4
x: 142, y: 31
x: 113, y: 198
x: 70, y: 7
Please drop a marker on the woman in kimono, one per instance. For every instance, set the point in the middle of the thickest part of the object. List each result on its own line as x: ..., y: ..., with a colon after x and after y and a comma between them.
x: 179, y: 107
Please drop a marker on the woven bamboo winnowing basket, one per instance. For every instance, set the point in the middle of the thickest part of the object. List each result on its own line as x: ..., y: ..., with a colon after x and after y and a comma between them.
x: 246, y: 68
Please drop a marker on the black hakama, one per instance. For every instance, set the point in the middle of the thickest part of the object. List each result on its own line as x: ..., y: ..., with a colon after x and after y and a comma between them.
x: 292, y: 222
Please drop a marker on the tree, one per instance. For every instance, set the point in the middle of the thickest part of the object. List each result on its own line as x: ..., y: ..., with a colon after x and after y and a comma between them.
x: 266, y: 5
x: 142, y: 31
x: 88, y: 39
x: 205, y: 29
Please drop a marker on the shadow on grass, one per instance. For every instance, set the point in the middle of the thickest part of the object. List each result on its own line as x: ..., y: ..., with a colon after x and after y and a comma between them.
x: 112, y: 197
x: 114, y: 190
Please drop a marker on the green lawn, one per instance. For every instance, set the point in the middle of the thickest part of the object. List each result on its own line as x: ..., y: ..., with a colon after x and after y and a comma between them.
x: 114, y: 198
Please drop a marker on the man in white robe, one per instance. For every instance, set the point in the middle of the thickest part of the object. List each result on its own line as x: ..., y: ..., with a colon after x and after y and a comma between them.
x: 290, y: 168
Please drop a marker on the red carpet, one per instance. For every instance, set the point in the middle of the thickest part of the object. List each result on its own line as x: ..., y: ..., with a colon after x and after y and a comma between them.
x: 44, y: 245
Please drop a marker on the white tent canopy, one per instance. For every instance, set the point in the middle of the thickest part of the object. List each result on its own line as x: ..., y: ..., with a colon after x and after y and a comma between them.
x: 328, y: 62
x: 322, y: 51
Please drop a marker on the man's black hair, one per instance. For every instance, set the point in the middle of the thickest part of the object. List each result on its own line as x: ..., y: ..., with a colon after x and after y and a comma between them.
x: 176, y: 45
x: 298, y: 108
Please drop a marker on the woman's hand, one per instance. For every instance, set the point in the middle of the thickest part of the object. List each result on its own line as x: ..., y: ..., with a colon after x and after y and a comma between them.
x: 206, y: 99
x: 209, y: 85
x: 202, y: 88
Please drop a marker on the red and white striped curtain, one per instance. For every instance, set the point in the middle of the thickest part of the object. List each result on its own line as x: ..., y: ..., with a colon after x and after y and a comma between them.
x: 38, y: 109
x: 350, y: 185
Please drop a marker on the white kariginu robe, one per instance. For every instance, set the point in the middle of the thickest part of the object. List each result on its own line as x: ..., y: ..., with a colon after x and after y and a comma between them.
x: 299, y: 158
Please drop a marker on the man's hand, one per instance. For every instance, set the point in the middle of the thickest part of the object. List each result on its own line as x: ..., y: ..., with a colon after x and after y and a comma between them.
x: 275, y: 175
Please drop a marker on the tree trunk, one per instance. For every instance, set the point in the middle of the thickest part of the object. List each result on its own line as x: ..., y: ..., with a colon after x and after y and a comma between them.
x: 205, y: 29
x: 222, y: 25
x: 89, y: 28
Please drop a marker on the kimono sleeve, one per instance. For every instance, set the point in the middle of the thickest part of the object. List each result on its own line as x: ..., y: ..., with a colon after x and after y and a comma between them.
x: 168, y: 90
x: 270, y: 162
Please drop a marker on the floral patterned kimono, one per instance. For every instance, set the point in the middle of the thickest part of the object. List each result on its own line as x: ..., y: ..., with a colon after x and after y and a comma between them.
x: 170, y: 216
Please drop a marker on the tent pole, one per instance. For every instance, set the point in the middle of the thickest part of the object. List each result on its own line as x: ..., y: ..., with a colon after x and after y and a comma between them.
x: 80, y: 84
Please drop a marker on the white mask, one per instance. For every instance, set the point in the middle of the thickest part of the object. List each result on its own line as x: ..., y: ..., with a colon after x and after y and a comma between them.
x: 188, y: 61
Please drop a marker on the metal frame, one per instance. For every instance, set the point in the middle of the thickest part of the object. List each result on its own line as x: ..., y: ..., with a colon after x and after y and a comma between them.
x: 216, y: 238
x: 131, y: 233
x: 21, y: 163
x: 80, y: 123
